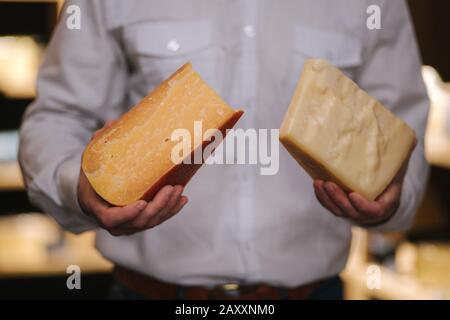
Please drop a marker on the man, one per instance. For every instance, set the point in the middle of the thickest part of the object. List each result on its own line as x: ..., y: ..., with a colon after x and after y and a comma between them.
x: 269, y: 236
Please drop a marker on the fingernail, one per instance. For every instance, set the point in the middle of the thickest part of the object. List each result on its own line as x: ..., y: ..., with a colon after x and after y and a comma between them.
x: 141, y: 205
x: 168, y: 193
x: 354, y: 198
x: 329, y: 187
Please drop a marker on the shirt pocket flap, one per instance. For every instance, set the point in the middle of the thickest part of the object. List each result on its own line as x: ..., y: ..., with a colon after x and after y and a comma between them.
x: 174, y: 38
x: 340, y: 49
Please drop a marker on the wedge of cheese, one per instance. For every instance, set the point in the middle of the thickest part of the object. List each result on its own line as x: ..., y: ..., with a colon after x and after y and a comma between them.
x: 338, y: 133
x: 132, y: 159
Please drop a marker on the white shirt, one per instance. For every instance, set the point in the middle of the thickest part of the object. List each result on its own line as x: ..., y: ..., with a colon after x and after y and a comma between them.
x: 239, y: 225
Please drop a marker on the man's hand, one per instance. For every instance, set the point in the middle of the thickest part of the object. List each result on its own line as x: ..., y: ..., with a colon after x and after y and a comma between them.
x: 358, y: 209
x: 135, y: 217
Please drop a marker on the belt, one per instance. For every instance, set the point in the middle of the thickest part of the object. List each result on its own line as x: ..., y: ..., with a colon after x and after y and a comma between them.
x: 155, y: 289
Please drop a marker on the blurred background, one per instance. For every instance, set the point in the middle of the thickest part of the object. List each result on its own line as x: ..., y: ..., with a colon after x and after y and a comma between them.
x: 35, y: 252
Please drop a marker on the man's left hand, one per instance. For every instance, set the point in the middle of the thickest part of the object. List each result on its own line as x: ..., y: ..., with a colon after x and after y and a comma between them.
x: 358, y: 209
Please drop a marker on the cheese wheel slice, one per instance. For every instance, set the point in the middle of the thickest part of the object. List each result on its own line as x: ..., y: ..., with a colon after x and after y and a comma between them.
x: 132, y: 159
x: 337, y: 132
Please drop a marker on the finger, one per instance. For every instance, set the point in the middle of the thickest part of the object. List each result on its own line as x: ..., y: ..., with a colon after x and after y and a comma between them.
x: 173, y: 201
x: 390, y: 195
x: 181, y: 203
x: 153, y: 207
x: 324, y: 200
x: 128, y: 230
x: 122, y: 231
x: 159, y: 218
x: 364, y: 206
x: 340, y: 199
x: 166, y: 213
x: 160, y: 200
x: 115, y: 216
x: 97, y: 204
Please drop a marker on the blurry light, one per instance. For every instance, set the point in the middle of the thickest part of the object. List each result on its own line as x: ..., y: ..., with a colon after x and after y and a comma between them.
x: 437, y: 136
x: 20, y: 57
x: 433, y: 263
x: 9, y: 145
x: 10, y: 175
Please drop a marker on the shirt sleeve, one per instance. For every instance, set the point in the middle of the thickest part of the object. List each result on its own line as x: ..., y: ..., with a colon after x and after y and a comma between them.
x: 392, y: 73
x: 80, y: 85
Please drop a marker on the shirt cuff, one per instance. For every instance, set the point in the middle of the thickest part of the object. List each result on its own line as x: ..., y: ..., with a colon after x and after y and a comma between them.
x: 67, y: 177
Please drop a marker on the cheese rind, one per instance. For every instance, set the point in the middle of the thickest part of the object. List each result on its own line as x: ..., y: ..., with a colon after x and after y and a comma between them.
x: 337, y: 132
x: 131, y: 160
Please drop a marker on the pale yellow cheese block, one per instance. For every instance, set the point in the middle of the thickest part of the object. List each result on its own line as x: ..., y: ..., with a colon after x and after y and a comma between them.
x: 337, y: 132
x: 132, y: 160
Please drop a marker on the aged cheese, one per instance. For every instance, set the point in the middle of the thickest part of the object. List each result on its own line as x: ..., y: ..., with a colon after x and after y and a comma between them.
x: 338, y: 133
x: 131, y: 160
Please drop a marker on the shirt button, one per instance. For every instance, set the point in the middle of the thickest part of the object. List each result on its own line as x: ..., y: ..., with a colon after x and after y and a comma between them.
x: 249, y: 31
x: 173, y: 45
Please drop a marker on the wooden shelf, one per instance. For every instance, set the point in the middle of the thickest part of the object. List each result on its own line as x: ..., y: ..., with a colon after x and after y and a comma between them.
x: 10, y: 176
x: 393, y: 285
x: 33, y: 245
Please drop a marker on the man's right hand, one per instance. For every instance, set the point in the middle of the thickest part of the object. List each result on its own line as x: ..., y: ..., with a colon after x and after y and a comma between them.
x: 138, y: 216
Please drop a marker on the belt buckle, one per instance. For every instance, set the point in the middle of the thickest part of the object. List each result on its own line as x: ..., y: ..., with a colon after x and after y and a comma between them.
x: 231, y: 289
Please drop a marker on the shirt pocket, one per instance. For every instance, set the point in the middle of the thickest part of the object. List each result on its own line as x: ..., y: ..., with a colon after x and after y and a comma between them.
x: 158, y: 48
x: 341, y: 50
